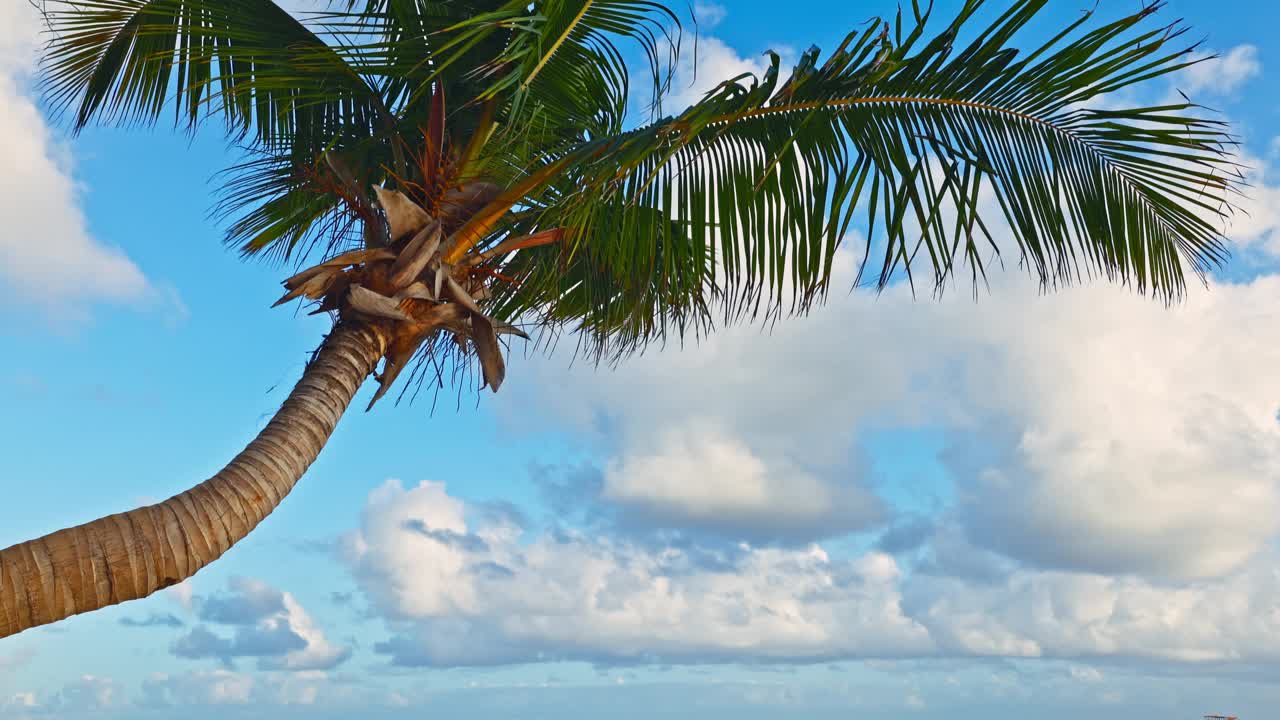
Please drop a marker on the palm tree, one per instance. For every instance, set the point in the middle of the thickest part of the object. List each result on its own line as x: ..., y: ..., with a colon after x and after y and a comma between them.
x: 461, y: 170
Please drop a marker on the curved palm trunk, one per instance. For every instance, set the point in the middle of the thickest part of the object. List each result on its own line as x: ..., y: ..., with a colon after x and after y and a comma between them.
x: 131, y: 555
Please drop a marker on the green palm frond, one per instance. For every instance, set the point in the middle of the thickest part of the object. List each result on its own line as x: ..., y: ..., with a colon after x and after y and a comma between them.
x: 277, y: 205
x: 563, y: 64
x: 395, y: 42
x: 267, y: 74
x: 353, y: 79
x: 930, y: 145
x: 741, y: 201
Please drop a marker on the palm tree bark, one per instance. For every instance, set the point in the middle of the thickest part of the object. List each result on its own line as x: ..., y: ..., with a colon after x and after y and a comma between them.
x: 131, y: 555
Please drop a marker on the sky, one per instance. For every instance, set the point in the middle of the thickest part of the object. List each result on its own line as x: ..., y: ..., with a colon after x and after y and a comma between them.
x: 893, y: 508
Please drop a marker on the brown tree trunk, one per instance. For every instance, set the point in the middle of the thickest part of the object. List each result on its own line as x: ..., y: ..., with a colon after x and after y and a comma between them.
x: 131, y: 555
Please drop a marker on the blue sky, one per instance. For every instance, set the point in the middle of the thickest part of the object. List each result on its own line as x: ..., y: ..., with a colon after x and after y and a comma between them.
x: 1049, y: 505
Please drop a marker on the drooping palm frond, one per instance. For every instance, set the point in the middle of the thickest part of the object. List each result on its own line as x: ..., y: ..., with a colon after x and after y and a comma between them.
x: 352, y: 79
x: 285, y: 206
x: 268, y: 76
x: 741, y: 201
x: 736, y: 207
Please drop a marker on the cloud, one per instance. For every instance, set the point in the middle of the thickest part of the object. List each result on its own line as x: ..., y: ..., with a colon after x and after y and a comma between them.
x: 728, y: 435
x: 1109, y: 434
x: 250, y: 601
x: 696, y: 473
x: 182, y: 593
x: 1090, y: 429
x: 88, y: 693
x: 1223, y: 75
x: 1255, y: 224
x: 567, y: 596
x: 709, y: 14
x: 713, y: 62
x: 212, y: 687
x: 153, y: 620
x: 269, y: 625
x: 583, y: 597
x: 947, y: 551
x: 226, y: 689
x: 906, y: 535
x: 15, y: 660
x: 1070, y: 615
x: 47, y: 255
x: 271, y: 640
x: 26, y: 700
x: 571, y: 596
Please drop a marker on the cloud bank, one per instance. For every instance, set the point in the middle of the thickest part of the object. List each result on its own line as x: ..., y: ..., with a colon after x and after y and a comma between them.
x: 487, y: 595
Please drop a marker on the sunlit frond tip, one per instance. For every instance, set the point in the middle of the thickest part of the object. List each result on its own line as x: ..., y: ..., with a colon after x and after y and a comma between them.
x: 929, y: 147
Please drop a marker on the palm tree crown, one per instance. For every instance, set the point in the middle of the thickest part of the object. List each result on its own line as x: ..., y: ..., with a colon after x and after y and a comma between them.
x: 506, y: 122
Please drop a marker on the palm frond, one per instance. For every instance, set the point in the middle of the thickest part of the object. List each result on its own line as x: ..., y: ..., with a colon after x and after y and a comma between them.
x: 929, y: 146
x: 284, y: 207
x: 564, y: 64
x: 741, y: 202
x: 260, y: 68
x: 394, y: 42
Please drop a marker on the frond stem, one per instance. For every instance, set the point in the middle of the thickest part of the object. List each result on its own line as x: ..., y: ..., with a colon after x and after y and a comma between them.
x: 906, y: 100
x: 563, y: 37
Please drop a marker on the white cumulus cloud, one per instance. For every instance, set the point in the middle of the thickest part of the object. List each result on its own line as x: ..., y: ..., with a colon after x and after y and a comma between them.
x: 47, y: 255
x: 711, y: 63
x: 1070, y: 615
x: 459, y: 595
x: 693, y: 472
x: 1224, y: 74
